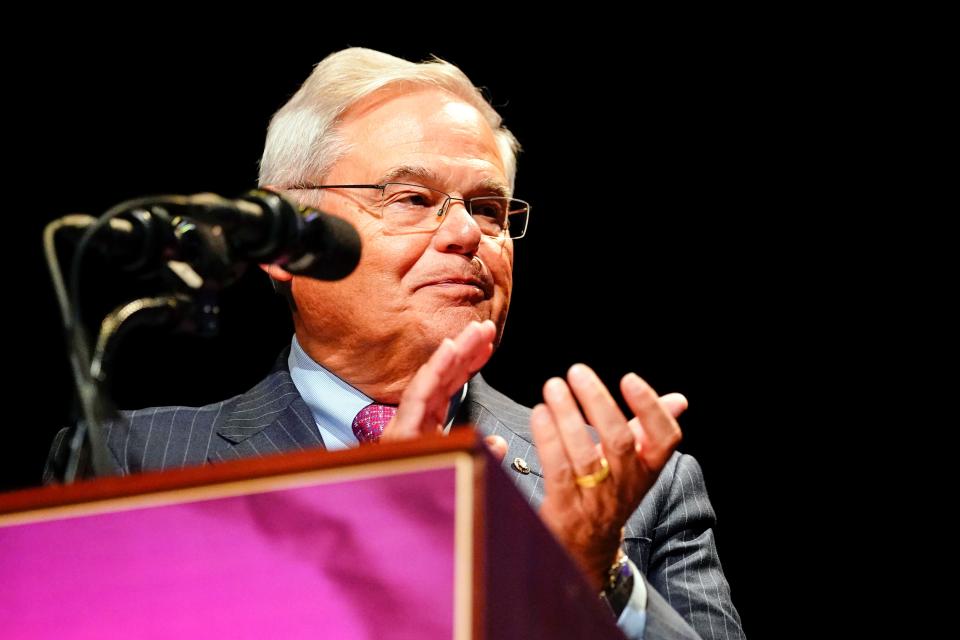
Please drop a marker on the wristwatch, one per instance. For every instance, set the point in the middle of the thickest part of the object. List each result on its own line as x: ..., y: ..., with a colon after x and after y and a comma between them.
x: 619, y: 585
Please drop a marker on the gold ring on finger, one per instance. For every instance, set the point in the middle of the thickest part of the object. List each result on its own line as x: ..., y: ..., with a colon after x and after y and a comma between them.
x: 593, y: 479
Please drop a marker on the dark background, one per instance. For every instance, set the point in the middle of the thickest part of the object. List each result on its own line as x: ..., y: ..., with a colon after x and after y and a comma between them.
x: 669, y: 214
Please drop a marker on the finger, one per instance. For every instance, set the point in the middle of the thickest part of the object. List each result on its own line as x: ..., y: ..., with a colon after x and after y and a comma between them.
x: 472, y: 348
x: 425, y: 401
x: 449, y: 368
x: 497, y: 446
x: 660, y: 432
x: 675, y: 403
x: 619, y: 443
x: 557, y: 472
x: 474, y: 343
x: 417, y: 412
x: 573, y: 433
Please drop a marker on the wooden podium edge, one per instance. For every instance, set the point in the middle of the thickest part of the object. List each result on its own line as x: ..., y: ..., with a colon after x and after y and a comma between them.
x: 463, y: 440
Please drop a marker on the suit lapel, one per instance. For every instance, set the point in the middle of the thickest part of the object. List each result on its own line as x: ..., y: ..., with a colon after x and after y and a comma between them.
x: 270, y: 418
x: 493, y: 413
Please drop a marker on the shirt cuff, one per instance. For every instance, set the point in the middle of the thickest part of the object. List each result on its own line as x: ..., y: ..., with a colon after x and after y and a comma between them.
x: 633, y: 618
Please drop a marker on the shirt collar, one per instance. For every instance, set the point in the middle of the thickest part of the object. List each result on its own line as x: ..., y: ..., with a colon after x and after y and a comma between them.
x: 333, y: 401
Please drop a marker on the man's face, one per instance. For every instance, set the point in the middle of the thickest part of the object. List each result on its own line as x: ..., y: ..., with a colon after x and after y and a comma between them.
x: 411, y: 290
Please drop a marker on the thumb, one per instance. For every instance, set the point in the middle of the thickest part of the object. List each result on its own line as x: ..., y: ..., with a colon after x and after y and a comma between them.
x: 497, y: 446
x: 675, y: 403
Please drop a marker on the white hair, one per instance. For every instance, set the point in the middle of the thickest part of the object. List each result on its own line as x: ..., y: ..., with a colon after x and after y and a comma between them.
x: 303, y: 142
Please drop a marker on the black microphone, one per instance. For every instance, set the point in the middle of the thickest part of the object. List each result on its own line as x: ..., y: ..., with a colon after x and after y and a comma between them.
x: 261, y: 226
x: 264, y: 227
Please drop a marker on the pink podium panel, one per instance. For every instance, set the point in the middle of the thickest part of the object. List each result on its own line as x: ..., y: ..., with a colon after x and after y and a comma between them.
x: 315, y: 555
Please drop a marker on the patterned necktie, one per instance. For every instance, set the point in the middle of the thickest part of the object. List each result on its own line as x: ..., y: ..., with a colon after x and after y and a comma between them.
x: 369, y: 423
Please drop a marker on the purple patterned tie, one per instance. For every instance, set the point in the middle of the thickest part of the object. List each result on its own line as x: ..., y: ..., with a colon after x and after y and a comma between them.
x: 369, y: 423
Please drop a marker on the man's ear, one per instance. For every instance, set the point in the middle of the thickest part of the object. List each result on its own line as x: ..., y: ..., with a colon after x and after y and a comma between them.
x: 276, y: 273
x: 282, y: 283
x: 271, y: 187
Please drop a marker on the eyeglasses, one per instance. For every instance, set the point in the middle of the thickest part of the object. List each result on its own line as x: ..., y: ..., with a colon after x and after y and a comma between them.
x: 409, y: 208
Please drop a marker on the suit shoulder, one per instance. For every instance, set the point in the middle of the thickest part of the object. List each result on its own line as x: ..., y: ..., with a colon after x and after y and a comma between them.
x: 681, y: 472
x: 485, y: 398
x: 140, y: 417
x: 166, y: 436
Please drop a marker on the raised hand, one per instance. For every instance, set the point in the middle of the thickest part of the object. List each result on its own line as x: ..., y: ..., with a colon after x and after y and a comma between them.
x: 426, y: 400
x: 591, y: 489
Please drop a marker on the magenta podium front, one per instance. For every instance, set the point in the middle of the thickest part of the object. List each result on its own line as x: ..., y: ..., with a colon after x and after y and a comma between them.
x: 414, y: 540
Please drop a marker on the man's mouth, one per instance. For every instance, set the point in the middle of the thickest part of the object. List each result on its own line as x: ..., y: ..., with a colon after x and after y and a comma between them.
x: 484, y: 288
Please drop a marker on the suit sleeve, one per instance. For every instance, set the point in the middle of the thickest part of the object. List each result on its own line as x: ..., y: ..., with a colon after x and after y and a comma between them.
x: 688, y: 596
x: 57, y: 457
x: 59, y: 454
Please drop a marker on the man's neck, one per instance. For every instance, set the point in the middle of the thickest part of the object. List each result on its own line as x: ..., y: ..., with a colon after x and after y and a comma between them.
x: 381, y: 372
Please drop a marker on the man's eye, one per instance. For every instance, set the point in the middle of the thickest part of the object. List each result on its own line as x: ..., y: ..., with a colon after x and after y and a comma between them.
x: 493, y: 211
x: 413, y: 200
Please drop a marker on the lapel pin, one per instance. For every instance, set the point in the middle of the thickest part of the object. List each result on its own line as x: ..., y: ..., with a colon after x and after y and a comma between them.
x: 521, y: 465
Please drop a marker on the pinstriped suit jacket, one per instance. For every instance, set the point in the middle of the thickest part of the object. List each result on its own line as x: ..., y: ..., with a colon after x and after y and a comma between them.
x: 670, y: 536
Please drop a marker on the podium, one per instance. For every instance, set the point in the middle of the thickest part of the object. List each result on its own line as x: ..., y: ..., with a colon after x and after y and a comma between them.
x: 421, y: 539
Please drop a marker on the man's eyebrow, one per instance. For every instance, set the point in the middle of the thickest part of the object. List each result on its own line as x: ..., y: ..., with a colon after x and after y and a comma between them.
x: 494, y: 186
x: 428, y: 178
x: 407, y: 171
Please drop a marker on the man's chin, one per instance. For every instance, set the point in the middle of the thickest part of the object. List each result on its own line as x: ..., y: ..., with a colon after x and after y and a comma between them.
x: 448, y: 322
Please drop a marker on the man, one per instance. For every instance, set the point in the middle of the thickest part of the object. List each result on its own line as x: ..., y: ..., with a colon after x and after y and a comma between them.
x: 419, y: 163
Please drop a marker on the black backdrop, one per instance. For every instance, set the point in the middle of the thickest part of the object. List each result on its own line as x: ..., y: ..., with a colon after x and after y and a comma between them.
x: 656, y: 244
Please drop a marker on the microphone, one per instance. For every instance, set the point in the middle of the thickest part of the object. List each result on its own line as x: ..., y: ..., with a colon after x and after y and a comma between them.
x: 264, y: 227
x: 261, y: 226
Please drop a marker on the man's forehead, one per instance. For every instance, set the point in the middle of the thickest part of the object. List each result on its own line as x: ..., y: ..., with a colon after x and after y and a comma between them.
x: 397, y: 117
x: 428, y: 177
x: 405, y: 99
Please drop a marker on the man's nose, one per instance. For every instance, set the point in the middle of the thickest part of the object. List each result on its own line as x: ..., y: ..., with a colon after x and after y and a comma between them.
x: 458, y: 232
